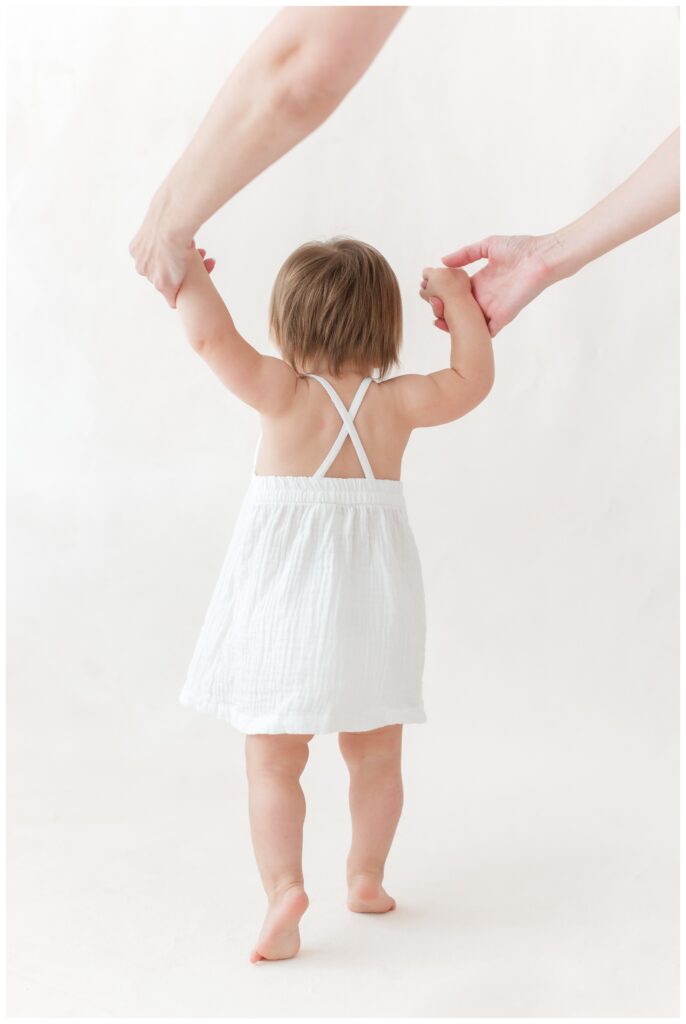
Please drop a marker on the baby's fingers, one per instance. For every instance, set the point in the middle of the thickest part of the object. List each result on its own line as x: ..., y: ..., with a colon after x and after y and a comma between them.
x: 424, y: 290
x: 209, y: 263
x: 437, y: 307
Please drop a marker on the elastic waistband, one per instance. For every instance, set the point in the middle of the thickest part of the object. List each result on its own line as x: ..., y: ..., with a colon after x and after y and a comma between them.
x: 335, y: 490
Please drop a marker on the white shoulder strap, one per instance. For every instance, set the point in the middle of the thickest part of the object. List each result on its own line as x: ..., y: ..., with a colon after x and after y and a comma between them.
x: 348, y: 427
x: 257, y: 452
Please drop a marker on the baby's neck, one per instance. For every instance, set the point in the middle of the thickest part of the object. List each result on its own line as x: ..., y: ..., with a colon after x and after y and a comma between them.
x: 345, y: 373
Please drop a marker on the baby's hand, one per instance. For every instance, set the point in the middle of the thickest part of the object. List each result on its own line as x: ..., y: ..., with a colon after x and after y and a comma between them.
x: 438, y: 287
x: 209, y: 263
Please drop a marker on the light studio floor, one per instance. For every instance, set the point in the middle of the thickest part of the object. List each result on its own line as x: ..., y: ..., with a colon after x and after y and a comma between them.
x: 541, y: 887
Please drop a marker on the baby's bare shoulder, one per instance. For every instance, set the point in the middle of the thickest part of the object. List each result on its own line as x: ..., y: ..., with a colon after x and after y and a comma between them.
x: 430, y: 399
x: 401, y: 394
x: 402, y: 387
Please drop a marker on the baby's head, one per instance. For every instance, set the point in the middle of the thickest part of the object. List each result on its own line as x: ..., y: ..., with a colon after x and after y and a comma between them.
x: 336, y: 306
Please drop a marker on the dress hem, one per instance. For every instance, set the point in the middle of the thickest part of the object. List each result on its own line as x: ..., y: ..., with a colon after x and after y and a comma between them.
x: 299, y: 724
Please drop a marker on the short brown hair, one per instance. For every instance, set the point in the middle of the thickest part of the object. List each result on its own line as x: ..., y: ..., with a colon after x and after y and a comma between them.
x: 337, y: 301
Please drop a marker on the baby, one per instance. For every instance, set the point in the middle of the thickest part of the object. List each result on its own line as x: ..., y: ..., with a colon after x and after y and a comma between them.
x: 317, y: 620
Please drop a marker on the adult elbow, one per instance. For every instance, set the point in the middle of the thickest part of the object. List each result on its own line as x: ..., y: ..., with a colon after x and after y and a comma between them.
x: 307, y: 90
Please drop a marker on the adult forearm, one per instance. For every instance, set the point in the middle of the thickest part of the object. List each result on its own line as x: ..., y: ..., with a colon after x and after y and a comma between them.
x: 252, y: 122
x: 648, y: 197
x: 285, y: 86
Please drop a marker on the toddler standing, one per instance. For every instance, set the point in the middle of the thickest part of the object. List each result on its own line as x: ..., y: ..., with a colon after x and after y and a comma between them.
x: 317, y: 621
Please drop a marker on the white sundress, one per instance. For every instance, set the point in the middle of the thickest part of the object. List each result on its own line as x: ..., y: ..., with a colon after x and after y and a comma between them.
x: 317, y: 621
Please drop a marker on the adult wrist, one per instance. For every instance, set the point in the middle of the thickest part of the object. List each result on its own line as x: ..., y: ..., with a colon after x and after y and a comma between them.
x: 171, y: 220
x: 562, y: 253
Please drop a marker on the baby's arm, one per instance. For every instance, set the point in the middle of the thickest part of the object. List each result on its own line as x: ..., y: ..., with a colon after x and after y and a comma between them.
x: 265, y: 383
x: 426, y: 400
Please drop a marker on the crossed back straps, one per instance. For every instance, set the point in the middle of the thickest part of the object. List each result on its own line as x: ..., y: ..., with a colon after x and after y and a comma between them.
x: 348, y: 428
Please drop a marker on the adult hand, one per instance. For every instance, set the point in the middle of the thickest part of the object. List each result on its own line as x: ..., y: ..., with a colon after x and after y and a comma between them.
x: 519, y: 268
x: 161, y: 252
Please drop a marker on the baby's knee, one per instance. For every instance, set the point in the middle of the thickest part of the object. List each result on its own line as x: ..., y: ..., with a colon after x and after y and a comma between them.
x: 374, y: 748
x: 279, y: 753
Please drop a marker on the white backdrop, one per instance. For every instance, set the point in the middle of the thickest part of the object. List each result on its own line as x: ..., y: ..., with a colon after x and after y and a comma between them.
x: 535, y: 867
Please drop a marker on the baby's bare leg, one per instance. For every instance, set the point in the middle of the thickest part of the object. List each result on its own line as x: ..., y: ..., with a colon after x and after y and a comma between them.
x: 376, y: 801
x: 277, y: 814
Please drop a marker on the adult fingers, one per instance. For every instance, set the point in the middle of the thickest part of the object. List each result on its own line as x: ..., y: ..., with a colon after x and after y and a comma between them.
x: 135, y: 247
x: 467, y: 254
x: 139, y: 261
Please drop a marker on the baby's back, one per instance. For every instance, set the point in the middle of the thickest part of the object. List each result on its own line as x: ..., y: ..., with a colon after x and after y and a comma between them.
x: 296, y: 443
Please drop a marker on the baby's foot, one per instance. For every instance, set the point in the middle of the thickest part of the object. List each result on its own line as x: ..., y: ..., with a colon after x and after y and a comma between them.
x: 280, y: 936
x: 366, y: 895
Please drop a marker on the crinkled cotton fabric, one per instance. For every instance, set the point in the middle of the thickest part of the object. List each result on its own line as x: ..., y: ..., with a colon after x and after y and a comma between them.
x: 317, y: 620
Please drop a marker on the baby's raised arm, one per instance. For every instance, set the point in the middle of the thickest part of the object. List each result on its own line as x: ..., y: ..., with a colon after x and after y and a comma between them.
x: 265, y: 383
x: 427, y: 400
